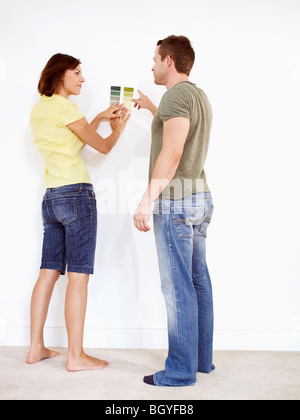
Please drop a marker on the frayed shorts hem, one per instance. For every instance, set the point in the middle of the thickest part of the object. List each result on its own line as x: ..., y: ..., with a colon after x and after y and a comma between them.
x: 53, y: 266
x: 80, y: 269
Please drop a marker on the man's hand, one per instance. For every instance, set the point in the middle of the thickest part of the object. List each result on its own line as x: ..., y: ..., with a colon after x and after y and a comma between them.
x: 144, y: 103
x: 142, y: 216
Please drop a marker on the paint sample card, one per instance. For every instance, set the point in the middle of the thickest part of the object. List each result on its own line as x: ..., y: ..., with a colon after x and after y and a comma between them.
x: 127, y: 97
x: 115, y: 94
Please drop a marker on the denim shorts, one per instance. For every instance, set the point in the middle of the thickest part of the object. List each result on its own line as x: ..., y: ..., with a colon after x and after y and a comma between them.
x: 70, y: 229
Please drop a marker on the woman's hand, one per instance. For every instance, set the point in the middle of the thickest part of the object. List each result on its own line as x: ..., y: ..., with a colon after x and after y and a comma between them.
x: 119, y: 123
x: 112, y: 112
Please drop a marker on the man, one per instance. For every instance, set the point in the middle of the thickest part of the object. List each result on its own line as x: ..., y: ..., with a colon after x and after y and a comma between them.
x: 182, y: 212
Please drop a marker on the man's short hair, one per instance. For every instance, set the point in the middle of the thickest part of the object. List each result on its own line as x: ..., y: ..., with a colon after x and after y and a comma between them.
x: 180, y: 49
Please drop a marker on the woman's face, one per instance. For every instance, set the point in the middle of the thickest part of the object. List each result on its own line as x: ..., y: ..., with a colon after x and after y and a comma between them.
x: 72, y: 82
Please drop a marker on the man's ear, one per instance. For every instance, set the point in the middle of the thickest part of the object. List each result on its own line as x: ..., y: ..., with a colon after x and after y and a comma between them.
x: 170, y: 60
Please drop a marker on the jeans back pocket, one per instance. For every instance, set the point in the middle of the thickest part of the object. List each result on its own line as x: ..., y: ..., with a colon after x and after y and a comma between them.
x: 65, y: 209
x: 208, y: 216
x: 185, y: 219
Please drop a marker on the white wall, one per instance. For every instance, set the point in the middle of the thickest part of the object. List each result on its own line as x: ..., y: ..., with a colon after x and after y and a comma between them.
x: 248, y: 62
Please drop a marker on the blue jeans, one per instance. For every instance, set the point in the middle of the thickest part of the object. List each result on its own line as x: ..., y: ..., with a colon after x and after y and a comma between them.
x: 180, y: 229
x: 70, y: 229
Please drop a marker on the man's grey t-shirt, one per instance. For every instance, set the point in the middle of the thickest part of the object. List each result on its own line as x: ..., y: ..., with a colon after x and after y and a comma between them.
x: 188, y: 101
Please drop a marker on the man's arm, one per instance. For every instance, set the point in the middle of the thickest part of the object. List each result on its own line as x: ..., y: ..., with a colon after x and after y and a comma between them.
x: 174, y: 137
x: 144, y: 103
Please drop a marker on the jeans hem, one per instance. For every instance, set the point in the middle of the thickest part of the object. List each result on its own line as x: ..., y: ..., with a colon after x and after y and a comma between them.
x: 80, y: 269
x: 170, y: 384
x: 53, y: 266
x: 213, y: 367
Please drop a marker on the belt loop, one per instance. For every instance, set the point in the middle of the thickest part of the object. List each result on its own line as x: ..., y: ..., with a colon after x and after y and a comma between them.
x: 81, y: 188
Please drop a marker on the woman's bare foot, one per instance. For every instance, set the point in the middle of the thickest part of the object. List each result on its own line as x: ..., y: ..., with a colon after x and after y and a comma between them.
x: 85, y: 362
x: 40, y: 353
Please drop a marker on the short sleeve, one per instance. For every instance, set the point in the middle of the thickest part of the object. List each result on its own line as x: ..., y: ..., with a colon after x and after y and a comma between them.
x: 70, y: 113
x: 174, y: 104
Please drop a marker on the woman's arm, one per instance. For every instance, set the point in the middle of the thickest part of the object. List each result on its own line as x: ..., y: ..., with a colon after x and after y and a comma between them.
x: 88, y: 134
x: 114, y: 111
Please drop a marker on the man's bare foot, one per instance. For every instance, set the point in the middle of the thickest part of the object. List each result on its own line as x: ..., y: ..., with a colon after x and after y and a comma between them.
x: 37, y: 354
x: 85, y: 362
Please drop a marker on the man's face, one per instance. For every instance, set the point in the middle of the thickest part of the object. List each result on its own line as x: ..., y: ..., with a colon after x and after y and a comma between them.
x: 159, y: 69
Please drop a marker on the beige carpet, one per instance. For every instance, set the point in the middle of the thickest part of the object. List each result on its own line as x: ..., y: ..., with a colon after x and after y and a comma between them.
x: 239, y: 376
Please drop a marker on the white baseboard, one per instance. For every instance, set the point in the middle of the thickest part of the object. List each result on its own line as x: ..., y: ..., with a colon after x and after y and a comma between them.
x: 126, y: 338
x: 154, y: 338
x: 259, y: 340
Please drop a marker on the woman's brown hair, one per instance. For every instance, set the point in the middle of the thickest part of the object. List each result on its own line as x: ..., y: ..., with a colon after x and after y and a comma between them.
x: 51, y: 77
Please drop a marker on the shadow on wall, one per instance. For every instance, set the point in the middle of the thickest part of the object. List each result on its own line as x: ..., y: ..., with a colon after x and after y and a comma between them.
x: 117, y: 257
x: 122, y: 177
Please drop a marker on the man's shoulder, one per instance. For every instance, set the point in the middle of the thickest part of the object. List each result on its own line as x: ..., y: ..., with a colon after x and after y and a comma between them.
x: 183, y: 90
x: 177, y: 93
x: 174, y: 103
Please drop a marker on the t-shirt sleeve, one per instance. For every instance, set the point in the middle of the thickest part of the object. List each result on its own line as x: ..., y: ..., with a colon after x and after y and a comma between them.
x: 70, y: 113
x: 174, y: 104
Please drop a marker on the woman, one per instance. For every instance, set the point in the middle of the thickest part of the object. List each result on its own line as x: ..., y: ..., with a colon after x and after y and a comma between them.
x: 69, y: 205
